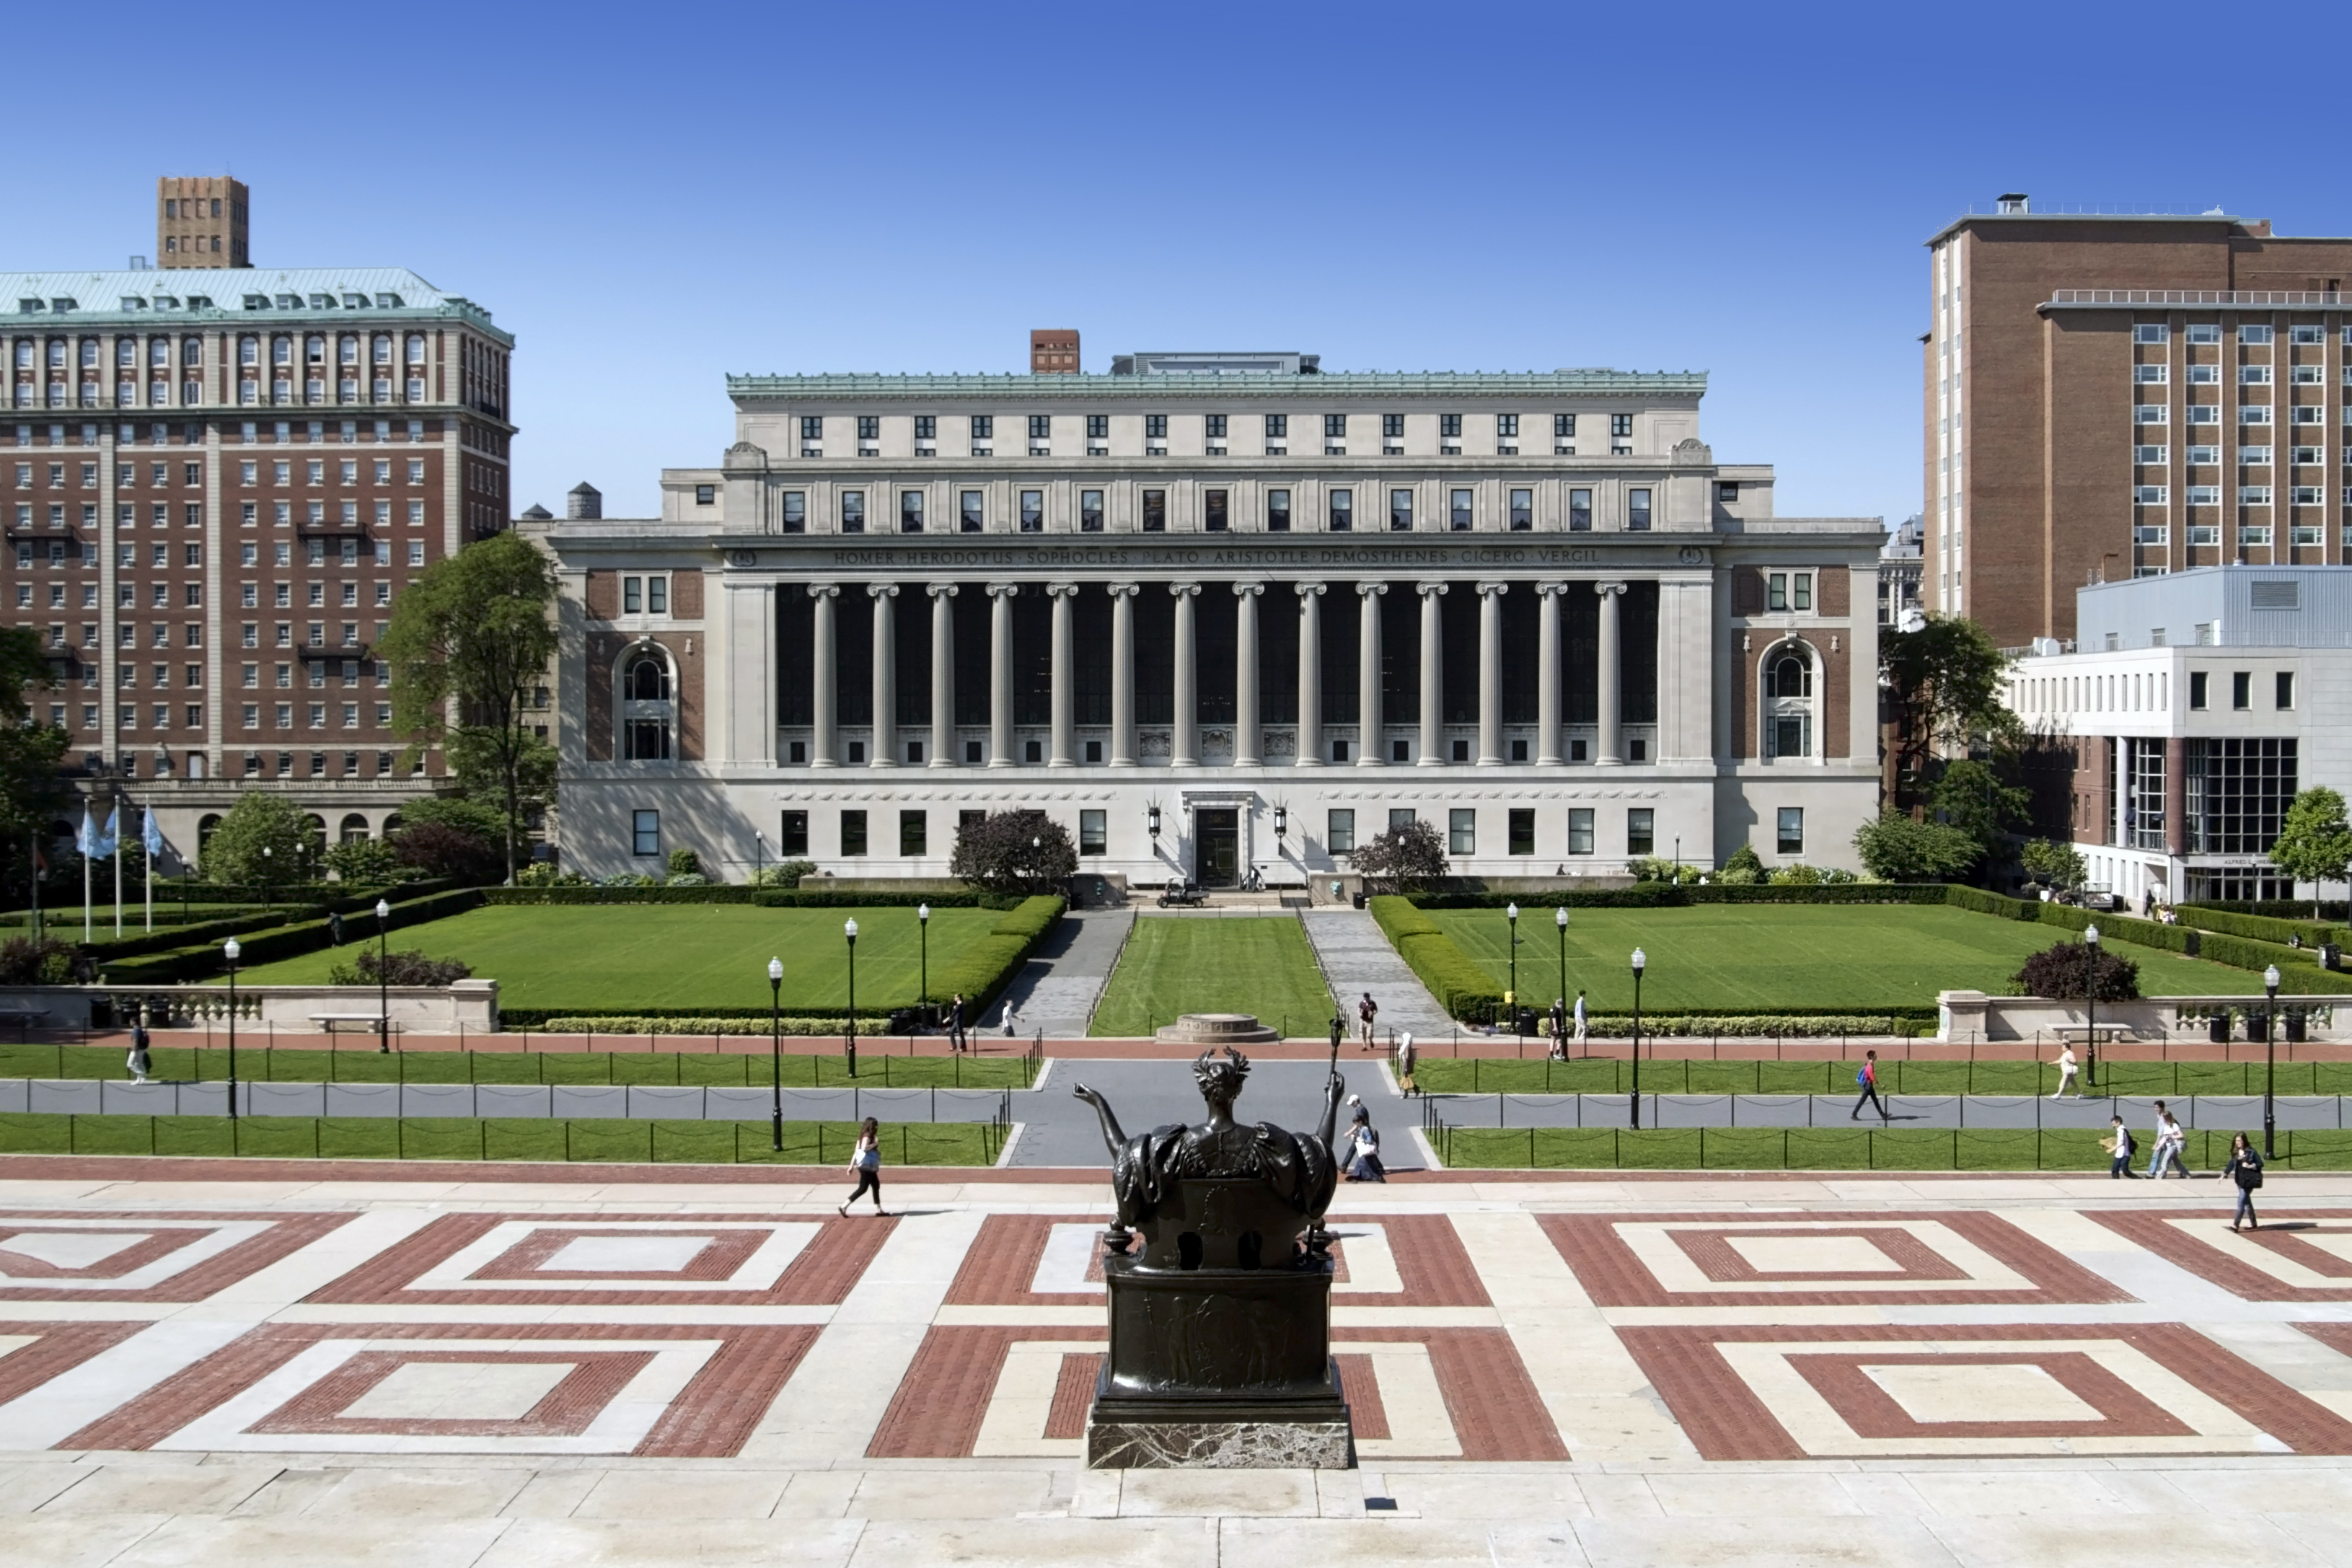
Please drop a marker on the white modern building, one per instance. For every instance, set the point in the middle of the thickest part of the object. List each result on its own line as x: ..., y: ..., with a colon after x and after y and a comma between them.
x: 1213, y: 612
x: 2196, y: 703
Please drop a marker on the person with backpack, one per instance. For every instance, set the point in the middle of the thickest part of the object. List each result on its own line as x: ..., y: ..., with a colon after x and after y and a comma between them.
x: 1368, y: 1011
x: 865, y: 1160
x: 1868, y: 1079
x: 138, y: 1061
x: 1362, y: 1158
x: 2118, y: 1145
x: 2245, y: 1168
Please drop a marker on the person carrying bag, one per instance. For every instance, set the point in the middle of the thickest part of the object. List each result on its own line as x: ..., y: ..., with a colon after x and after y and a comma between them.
x: 2245, y: 1168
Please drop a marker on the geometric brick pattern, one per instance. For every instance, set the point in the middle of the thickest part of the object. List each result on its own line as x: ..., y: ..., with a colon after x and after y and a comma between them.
x: 164, y: 1257
x: 2294, y: 1257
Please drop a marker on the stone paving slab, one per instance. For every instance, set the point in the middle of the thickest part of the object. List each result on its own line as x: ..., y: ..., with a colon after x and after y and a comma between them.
x: 1356, y: 957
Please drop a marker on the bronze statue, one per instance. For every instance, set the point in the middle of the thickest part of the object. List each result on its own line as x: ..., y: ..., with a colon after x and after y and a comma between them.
x: 1297, y: 1166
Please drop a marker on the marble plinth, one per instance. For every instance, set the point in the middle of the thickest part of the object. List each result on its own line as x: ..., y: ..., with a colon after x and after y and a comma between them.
x: 1212, y: 1030
x: 1221, y: 1446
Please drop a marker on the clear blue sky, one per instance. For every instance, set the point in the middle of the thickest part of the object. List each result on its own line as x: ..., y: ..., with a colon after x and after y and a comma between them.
x: 650, y: 197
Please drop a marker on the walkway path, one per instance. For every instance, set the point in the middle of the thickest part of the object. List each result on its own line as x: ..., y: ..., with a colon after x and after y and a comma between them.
x: 1356, y: 958
x: 1065, y: 977
x: 1059, y: 1128
x: 2227, y: 1112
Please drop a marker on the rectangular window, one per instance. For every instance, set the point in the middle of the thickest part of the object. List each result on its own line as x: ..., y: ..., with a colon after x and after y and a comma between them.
x: 2237, y: 791
x: 704, y: 495
x: 1791, y: 836
x: 646, y: 828
x: 2198, y: 696
x: 1340, y: 831
x: 853, y: 512
x: 1462, y: 831
x: 1214, y: 517
x: 1277, y: 427
x: 657, y: 595
x: 1335, y: 426
x: 1032, y: 512
x: 853, y: 833
x: 1506, y: 427
x: 1579, y: 823
x: 1459, y: 514
x: 1640, y: 830
x: 1041, y: 427
x: 869, y: 427
x: 1094, y: 832
x: 1278, y: 511
x: 970, y: 514
x: 2285, y: 689
x: 1392, y: 427
x: 1155, y: 511
x: 910, y: 512
x: 1343, y: 511
x: 1637, y: 510
x: 1580, y: 512
x: 1523, y: 830
x: 1802, y: 590
x: 983, y: 426
x: 2242, y: 688
x: 792, y: 834
x: 2149, y: 333
x: 1449, y: 426
x: 1090, y: 512
x: 2252, y: 335
x: 633, y: 595
x: 927, y: 427
x: 1563, y: 427
x: 1097, y: 427
x: 1400, y: 512
x: 1523, y: 510
x: 1776, y: 591
x: 795, y: 512
x: 912, y: 833
x: 1620, y: 426
x: 1401, y: 816
x: 1216, y: 426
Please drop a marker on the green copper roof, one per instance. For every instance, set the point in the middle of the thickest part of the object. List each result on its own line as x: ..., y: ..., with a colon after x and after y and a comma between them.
x: 1331, y: 384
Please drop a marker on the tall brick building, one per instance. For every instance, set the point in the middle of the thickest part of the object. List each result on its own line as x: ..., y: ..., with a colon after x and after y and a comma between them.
x: 2116, y: 396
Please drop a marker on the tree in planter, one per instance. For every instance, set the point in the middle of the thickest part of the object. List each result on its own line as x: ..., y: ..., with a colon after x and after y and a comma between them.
x: 1893, y: 848
x: 468, y: 644
x: 2052, y: 864
x: 263, y: 842
x: 31, y: 791
x: 1409, y: 859
x: 2315, y: 842
x: 2063, y: 973
x: 1021, y: 852
x: 1943, y: 685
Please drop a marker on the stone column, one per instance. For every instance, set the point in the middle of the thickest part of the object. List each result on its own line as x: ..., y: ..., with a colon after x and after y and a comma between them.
x: 1609, y: 744
x: 1184, y: 741
x: 1122, y: 675
x: 1308, y: 752
x: 1248, y: 743
x: 1369, y: 743
x: 942, y: 675
x: 1549, y: 750
x: 1063, y: 752
x: 1000, y: 674
x: 1490, y: 673
x: 883, y: 749
x: 825, y: 744
x: 1433, y: 674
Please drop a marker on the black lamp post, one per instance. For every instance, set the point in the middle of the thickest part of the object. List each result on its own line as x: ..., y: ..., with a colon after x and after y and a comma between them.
x: 776, y: 1053
x: 923, y: 924
x: 1560, y: 919
x: 2091, y: 1006
x: 1641, y: 961
x: 231, y: 951
x: 2270, y: 1056
x: 1281, y: 824
x: 1511, y: 913
x: 383, y: 980
x: 759, y: 846
x: 268, y: 883
x: 1152, y: 820
x: 849, y: 931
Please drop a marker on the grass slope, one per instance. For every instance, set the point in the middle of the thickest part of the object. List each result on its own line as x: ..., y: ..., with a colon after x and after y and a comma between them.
x: 1178, y: 966
x: 620, y: 958
x: 1756, y: 958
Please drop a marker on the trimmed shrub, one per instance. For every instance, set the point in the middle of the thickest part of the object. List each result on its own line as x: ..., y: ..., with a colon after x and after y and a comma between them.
x: 2070, y: 968
x: 2258, y: 928
x: 203, y: 961
x: 1986, y: 903
x: 24, y: 961
x: 1460, y: 985
x: 441, y: 850
x: 647, y: 1023
x: 409, y: 968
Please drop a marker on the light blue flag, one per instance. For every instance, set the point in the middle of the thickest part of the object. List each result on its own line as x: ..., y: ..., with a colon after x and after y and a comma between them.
x: 86, y: 836
x: 151, y: 837
x: 113, y: 825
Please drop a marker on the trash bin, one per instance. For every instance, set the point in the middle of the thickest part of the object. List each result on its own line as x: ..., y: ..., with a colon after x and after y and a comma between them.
x: 2294, y: 1025
x: 2331, y: 956
x: 904, y: 1020
x: 1528, y: 1022
x: 2217, y: 1028
x: 1360, y: 900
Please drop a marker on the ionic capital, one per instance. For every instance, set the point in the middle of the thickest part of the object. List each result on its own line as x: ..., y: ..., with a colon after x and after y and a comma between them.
x: 1004, y: 590
x: 940, y: 590
x: 1307, y: 590
x: 1496, y: 589
x: 1370, y: 589
x: 1249, y: 590
x: 824, y: 590
x: 1184, y: 590
x: 883, y: 590
x: 1427, y: 590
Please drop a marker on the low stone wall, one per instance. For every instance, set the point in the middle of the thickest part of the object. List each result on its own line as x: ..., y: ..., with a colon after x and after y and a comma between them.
x: 413, y: 1009
x: 1963, y: 1016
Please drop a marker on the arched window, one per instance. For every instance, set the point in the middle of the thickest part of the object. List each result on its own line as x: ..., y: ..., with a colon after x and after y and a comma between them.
x: 1789, y: 705
x: 354, y: 828
x: 648, y: 681
x: 648, y: 714
x: 392, y: 825
x: 1792, y: 676
x: 205, y: 827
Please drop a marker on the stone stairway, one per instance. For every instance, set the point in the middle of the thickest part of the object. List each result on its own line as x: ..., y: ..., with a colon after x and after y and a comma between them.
x: 1356, y: 958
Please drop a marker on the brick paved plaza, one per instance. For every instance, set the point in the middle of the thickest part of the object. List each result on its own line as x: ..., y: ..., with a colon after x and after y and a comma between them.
x: 246, y: 1364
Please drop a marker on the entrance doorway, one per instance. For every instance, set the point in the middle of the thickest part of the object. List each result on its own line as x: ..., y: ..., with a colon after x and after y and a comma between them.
x: 1217, y: 848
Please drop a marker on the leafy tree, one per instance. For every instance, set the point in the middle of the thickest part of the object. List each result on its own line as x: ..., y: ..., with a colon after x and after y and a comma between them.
x: 1023, y: 852
x: 263, y: 842
x: 31, y: 791
x: 2063, y: 972
x: 1898, y: 850
x: 26, y: 961
x: 1743, y: 868
x: 685, y: 863
x: 469, y: 641
x: 2052, y: 864
x: 463, y: 812
x: 1796, y: 877
x: 2315, y: 842
x: 1943, y: 685
x: 1408, y: 858
x: 1971, y: 798
x: 782, y: 874
x: 439, y: 849
x: 367, y: 862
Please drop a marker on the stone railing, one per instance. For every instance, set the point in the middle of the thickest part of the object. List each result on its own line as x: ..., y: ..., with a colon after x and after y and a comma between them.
x: 470, y: 1004
x: 1963, y: 1016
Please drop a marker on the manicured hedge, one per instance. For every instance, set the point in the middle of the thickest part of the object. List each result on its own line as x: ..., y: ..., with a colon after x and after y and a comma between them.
x: 2259, y: 927
x: 2277, y: 908
x: 203, y: 961
x: 1668, y: 895
x: 1985, y: 903
x: 1841, y: 1149
x: 707, y: 893
x: 802, y: 897
x: 881, y: 1061
x: 1460, y: 985
x: 981, y: 972
x: 1675, y: 1075
x: 805, y: 897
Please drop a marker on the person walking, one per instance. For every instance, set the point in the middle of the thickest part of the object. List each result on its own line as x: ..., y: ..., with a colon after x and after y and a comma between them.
x: 1364, y: 1146
x: 2245, y: 1168
x: 138, y: 1061
x: 865, y: 1160
x: 1580, y: 1022
x: 1368, y: 1013
x: 2118, y: 1145
x: 1868, y: 1079
x: 334, y: 928
x: 1405, y: 1060
x: 2167, y: 1149
x: 955, y: 1022
x: 1559, y: 1028
x: 2065, y: 1065
x: 1011, y: 1020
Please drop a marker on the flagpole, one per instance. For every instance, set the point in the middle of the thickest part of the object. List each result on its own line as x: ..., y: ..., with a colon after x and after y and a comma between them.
x: 114, y: 822
x: 147, y: 860
x: 33, y: 843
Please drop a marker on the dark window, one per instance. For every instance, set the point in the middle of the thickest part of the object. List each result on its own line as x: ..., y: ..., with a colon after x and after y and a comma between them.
x: 972, y: 515
x: 1523, y: 510
x: 1155, y: 426
x: 983, y: 426
x: 1563, y: 424
x: 705, y: 495
x: 853, y: 512
x: 1097, y: 427
x: 1277, y: 427
x: 1449, y: 426
x: 2197, y: 688
x: 1462, y: 831
x: 1579, y: 826
x: 1155, y: 511
x: 1278, y: 511
x: 1343, y: 511
x: 792, y: 834
x: 910, y: 512
x: 1506, y: 427
x: 1620, y: 426
x: 1214, y: 517
x: 853, y: 833
x: 2242, y: 688
x: 869, y: 427
x: 1041, y: 427
x: 1459, y: 514
x: 911, y: 833
x: 1335, y: 426
x: 2285, y: 689
x: 1090, y: 512
x: 1094, y: 833
x: 927, y: 427
x: 1637, y: 510
x: 1032, y: 512
x: 2237, y: 792
x: 1792, y: 833
x: 1216, y: 426
x: 1392, y: 427
x: 1340, y: 831
x: 1640, y: 830
x: 647, y: 681
x: 812, y: 428
x: 1400, y: 512
x: 644, y: 825
x: 646, y: 741
x: 1523, y: 831
x: 1728, y: 492
x: 795, y: 512
x: 1580, y: 512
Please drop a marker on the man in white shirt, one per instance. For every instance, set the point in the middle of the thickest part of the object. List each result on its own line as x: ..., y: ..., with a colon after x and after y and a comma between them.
x: 2065, y: 1065
x: 2169, y: 1141
x: 1580, y: 1017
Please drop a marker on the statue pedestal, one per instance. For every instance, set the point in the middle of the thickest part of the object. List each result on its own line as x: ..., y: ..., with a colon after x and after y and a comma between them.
x: 1220, y: 1352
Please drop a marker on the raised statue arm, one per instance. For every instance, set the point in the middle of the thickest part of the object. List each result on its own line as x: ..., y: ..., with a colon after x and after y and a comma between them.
x: 1113, y: 1139
x: 1334, y: 1091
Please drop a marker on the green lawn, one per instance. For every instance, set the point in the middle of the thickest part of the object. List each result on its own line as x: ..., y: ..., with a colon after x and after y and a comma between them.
x: 1754, y: 958
x: 881, y: 1064
x: 1177, y: 965
x: 622, y: 957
